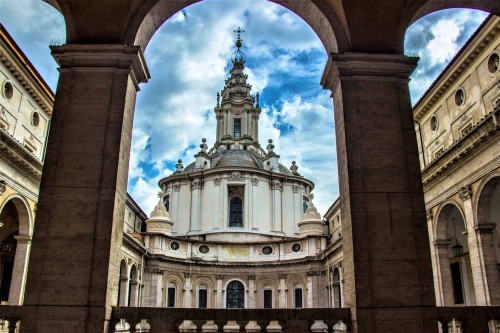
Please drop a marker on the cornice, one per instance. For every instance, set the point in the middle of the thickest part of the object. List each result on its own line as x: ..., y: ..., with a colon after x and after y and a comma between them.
x: 458, y: 66
x: 484, y: 131
x: 17, y: 155
x: 30, y: 80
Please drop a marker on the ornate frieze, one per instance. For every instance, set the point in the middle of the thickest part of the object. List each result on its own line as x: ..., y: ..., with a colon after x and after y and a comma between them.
x: 176, y: 187
x: 217, y: 181
x: 275, y: 184
x: 236, y: 176
x: 196, y: 184
x: 465, y: 193
x: 255, y: 181
x: 316, y: 273
x: 295, y: 188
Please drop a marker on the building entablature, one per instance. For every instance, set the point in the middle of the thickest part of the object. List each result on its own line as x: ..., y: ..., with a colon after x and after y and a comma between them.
x: 458, y: 66
x: 19, y: 155
x: 227, y: 252
x: 477, y: 136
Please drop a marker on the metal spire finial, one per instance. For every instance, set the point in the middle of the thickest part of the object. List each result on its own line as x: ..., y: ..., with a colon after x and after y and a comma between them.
x: 239, y: 31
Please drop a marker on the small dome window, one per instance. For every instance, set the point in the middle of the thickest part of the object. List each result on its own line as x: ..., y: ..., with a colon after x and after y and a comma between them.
x: 174, y: 246
x: 35, y: 119
x: 494, y: 63
x: 434, y: 122
x: 267, y: 250
x: 8, y: 90
x: 460, y: 97
x: 203, y: 249
x: 297, y: 247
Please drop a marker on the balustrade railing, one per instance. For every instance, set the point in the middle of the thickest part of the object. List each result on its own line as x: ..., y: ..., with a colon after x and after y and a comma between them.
x: 471, y: 319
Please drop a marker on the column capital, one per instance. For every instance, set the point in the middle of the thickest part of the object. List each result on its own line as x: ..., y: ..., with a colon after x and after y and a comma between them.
x: 367, y: 65
x: 442, y: 243
x: 100, y: 56
x: 486, y: 228
x: 465, y: 193
x: 23, y: 239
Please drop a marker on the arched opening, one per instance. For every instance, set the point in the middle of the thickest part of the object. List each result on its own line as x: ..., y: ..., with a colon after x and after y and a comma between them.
x: 123, y: 284
x: 236, y: 213
x: 171, y: 295
x: 488, y: 233
x: 133, y: 289
x: 235, y: 295
x: 15, y: 236
x: 337, y: 290
x: 452, y: 251
x: 202, y: 296
x: 298, y: 296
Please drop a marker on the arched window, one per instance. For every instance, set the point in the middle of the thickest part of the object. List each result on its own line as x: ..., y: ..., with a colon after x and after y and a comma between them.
x: 235, y: 295
x: 297, y: 297
x: 236, y: 212
x: 337, y: 295
x: 268, y: 298
x: 305, y: 205
x: 202, y: 296
x: 171, y: 295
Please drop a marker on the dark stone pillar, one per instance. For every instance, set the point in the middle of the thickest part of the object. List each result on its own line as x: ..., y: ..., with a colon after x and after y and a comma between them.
x: 74, y: 265
x: 387, y: 267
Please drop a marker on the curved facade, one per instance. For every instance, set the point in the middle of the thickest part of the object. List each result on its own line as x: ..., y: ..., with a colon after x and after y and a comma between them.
x: 236, y: 229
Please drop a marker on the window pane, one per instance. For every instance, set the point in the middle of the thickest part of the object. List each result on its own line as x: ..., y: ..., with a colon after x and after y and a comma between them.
x: 202, y: 298
x: 237, y: 128
x: 236, y: 212
x: 298, y: 298
x: 235, y: 295
x: 268, y: 299
x: 171, y: 297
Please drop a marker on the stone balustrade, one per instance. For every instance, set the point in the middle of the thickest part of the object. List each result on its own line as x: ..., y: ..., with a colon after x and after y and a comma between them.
x: 472, y: 319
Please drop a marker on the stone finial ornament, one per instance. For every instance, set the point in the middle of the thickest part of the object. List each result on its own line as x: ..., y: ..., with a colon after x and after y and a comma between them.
x: 179, y: 166
x: 257, y: 100
x: 294, y: 169
x: 311, y: 223
x: 159, y: 222
x: 270, y: 147
x: 203, y: 146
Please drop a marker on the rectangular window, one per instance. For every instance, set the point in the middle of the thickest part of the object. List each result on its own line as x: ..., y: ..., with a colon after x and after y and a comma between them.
x: 171, y: 297
x: 268, y: 299
x: 237, y: 128
x: 202, y: 298
x: 298, y: 298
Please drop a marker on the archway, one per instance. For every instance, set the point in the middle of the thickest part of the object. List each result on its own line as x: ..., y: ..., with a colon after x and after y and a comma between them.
x: 488, y: 234
x: 235, y: 295
x: 452, y: 255
x: 15, y: 236
x: 123, y: 284
x: 371, y: 81
x: 337, y: 289
x: 133, y: 288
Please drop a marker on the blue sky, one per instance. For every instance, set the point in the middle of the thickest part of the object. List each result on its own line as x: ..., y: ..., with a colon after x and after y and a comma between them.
x: 189, y: 59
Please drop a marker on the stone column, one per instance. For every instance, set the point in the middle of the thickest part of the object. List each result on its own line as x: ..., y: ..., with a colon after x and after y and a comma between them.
x: 74, y: 264
x: 252, y: 304
x: 153, y: 288
x: 276, y: 187
x: 309, y: 291
x: 219, y: 302
x: 256, y: 225
x: 18, y: 282
x: 123, y: 297
x: 217, y: 197
x: 442, y: 250
x: 386, y: 244
x: 282, y: 292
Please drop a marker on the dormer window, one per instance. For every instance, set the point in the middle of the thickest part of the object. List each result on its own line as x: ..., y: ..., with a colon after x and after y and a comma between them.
x: 237, y: 128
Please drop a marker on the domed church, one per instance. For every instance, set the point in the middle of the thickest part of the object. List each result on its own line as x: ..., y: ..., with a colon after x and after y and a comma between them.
x: 235, y: 228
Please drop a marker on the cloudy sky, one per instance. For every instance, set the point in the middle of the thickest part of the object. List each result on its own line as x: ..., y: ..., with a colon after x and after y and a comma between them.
x: 189, y: 60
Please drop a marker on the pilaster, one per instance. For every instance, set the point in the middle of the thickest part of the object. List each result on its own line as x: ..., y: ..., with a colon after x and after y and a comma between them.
x: 84, y: 185
x: 386, y: 244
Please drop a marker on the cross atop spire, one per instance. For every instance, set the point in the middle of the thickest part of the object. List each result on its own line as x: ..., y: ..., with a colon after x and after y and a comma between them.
x: 239, y: 31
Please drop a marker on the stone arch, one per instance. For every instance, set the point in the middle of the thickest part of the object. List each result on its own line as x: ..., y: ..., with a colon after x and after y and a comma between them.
x: 329, y: 26
x: 210, y: 285
x: 133, y: 289
x: 337, y: 287
x: 487, y: 231
x: 123, y: 284
x: 454, y: 285
x: 267, y: 282
x: 21, y: 239
x: 296, y: 281
x: 175, y: 281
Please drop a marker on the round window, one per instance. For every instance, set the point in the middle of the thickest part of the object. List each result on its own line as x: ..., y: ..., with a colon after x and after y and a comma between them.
x: 267, y: 250
x: 460, y: 97
x: 8, y: 90
x: 175, y: 246
x: 204, y: 249
x: 434, y: 123
x: 296, y: 247
x: 494, y: 63
x: 35, y: 119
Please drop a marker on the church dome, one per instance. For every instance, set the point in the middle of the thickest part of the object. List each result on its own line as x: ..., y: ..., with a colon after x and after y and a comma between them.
x: 236, y: 158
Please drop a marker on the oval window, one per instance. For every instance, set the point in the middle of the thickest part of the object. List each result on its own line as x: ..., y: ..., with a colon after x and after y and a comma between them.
x: 267, y: 250
x: 296, y: 247
x: 8, y: 90
x: 494, y: 63
x: 434, y: 123
x: 203, y: 249
x: 460, y: 97
x: 35, y: 119
x: 175, y: 246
